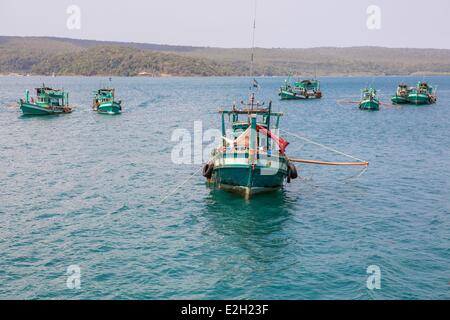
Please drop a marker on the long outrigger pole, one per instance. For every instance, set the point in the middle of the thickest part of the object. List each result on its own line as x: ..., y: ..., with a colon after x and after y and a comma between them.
x: 359, y: 162
x: 327, y: 163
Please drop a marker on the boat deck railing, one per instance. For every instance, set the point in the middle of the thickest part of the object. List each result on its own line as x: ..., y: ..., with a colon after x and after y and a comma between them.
x: 245, y: 152
x: 251, y: 111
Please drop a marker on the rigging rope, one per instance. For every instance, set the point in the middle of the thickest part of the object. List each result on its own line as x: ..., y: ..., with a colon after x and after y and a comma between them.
x: 180, y: 185
x: 357, y: 175
x: 324, y: 146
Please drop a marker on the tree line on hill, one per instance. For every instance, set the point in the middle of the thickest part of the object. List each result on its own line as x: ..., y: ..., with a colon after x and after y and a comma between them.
x: 61, y: 56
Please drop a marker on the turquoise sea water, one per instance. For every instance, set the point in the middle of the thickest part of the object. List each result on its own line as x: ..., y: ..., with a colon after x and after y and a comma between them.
x: 85, y: 189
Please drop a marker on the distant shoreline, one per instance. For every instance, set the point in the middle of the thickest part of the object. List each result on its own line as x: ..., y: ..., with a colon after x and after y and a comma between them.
x: 231, y: 76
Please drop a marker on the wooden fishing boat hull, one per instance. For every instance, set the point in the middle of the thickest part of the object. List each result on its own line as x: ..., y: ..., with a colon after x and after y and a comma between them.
x: 419, y: 98
x: 399, y: 100
x: 36, y: 110
x: 237, y: 175
x: 369, y: 105
x: 247, y: 180
x: 289, y: 95
x: 109, y: 108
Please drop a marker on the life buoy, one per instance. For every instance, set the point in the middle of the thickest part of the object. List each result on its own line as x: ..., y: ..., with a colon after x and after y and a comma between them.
x: 207, y: 170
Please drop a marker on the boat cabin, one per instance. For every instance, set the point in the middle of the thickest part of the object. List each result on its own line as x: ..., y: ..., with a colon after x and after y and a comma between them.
x: 46, y: 96
x: 102, y: 96
x: 368, y: 94
x: 254, y: 116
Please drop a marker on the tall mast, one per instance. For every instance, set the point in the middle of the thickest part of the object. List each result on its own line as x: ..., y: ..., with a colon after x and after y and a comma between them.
x: 253, y: 42
x: 254, y: 84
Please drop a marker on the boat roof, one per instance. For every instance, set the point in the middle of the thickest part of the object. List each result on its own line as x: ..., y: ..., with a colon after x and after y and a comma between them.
x: 245, y: 111
x: 369, y: 90
x: 48, y: 89
x: 55, y: 93
x: 250, y: 111
x: 252, y: 107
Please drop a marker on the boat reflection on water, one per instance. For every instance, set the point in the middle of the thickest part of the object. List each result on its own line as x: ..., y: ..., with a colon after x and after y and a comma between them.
x: 256, y: 227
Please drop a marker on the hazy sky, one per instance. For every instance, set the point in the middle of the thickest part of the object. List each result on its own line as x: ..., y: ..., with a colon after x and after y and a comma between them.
x: 227, y: 23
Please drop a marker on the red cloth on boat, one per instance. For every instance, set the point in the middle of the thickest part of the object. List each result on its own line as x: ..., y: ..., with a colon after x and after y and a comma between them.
x: 280, y: 141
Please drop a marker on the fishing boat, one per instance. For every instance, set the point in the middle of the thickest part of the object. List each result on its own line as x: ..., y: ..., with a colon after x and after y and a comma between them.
x: 48, y: 101
x: 401, y: 95
x: 300, y: 89
x: 422, y: 94
x: 253, y: 159
x: 369, y: 99
x: 104, y: 102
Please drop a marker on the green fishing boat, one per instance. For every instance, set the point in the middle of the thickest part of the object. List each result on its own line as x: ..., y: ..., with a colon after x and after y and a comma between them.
x: 104, y: 102
x: 422, y: 94
x: 48, y: 101
x: 301, y: 89
x: 401, y: 95
x: 253, y: 159
x: 369, y: 100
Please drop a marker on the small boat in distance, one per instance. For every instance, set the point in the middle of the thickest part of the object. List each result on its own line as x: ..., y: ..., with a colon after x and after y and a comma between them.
x: 369, y: 99
x: 401, y: 95
x: 422, y: 94
x: 48, y: 101
x: 301, y: 89
x: 104, y: 102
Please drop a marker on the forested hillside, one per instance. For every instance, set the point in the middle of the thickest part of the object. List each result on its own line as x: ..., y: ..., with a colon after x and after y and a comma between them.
x: 44, y: 55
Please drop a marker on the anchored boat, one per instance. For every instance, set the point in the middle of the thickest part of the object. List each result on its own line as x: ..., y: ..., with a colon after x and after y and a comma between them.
x: 422, y: 94
x: 369, y: 99
x: 253, y: 160
x: 104, y: 102
x: 401, y: 95
x: 301, y: 89
x: 48, y: 101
